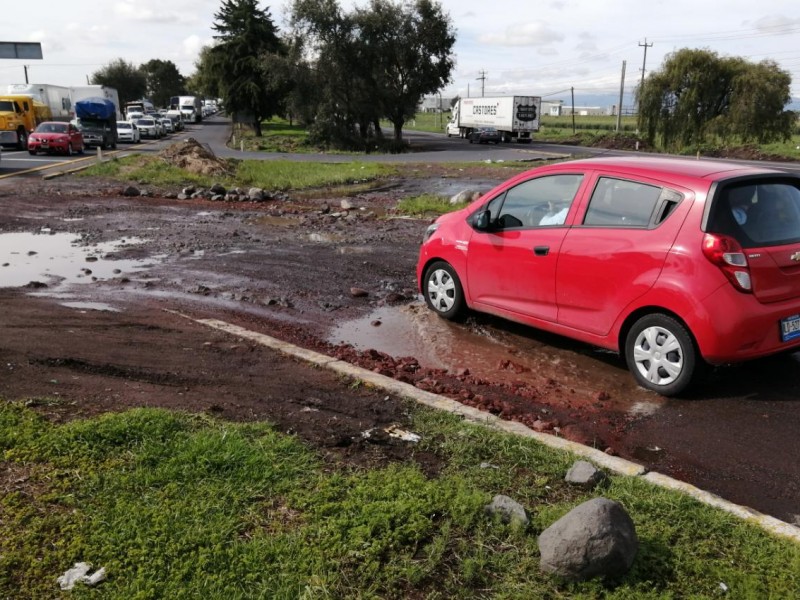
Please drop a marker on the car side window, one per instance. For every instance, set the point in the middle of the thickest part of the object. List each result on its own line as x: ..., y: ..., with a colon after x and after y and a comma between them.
x: 623, y: 203
x: 540, y: 202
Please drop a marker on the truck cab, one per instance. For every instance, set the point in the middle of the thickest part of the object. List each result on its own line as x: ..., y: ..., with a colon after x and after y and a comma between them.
x: 19, y: 116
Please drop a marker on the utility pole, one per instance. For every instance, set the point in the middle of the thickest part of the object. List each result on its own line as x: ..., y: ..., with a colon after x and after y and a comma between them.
x: 621, y: 90
x: 572, y: 93
x: 482, y: 79
x: 644, y: 64
x: 26, y: 72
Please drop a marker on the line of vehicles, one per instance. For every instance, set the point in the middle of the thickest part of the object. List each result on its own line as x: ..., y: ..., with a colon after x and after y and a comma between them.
x: 95, y: 116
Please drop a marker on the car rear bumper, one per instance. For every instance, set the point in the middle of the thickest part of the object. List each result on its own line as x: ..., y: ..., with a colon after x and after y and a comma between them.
x: 737, y: 327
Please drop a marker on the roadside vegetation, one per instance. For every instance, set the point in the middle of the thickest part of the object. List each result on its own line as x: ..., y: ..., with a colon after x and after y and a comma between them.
x: 177, y: 505
x: 269, y: 175
x: 600, y: 131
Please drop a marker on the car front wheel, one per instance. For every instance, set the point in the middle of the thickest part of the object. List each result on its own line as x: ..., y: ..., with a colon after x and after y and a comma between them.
x: 442, y: 290
x: 661, y: 354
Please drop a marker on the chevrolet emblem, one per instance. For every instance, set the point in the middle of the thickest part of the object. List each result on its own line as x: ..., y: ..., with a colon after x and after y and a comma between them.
x: 795, y: 257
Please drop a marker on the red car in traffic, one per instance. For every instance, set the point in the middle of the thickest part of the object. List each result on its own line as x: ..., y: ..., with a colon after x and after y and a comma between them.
x: 55, y: 136
x: 673, y: 263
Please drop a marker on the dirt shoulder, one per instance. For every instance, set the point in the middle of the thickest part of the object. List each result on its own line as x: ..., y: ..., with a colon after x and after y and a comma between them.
x: 286, y: 267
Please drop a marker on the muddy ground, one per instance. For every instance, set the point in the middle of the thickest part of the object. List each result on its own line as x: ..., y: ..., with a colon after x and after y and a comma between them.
x: 102, y: 330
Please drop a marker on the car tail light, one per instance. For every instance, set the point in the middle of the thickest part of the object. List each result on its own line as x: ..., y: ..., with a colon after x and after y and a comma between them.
x: 725, y: 252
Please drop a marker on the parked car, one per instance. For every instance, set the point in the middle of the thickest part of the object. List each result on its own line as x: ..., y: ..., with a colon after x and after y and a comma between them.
x: 484, y: 135
x: 56, y: 136
x: 673, y: 263
x: 148, y: 128
x: 128, y: 132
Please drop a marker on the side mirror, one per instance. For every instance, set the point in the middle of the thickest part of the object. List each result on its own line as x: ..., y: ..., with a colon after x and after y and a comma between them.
x: 482, y: 220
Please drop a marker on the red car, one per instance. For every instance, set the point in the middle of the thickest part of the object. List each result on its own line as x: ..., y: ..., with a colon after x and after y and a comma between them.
x: 674, y: 263
x: 54, y: 136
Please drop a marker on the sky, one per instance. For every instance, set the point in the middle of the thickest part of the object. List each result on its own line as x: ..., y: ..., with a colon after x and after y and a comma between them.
x: 503, y: 47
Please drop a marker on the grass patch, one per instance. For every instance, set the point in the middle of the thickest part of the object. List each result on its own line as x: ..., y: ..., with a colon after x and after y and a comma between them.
x: 271, y: 175
x: 285, y: 175
x: 183, y: 506
x: 427, y: 205
x: 277, y: 135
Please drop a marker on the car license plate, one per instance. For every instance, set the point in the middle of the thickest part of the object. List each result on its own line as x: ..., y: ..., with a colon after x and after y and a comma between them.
x: 790, y: 328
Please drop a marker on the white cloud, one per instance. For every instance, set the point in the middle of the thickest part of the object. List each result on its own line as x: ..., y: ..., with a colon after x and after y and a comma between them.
x: 535, y: 33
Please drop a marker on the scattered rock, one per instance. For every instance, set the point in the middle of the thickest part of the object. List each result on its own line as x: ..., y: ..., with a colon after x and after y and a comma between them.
x: 585, y: 474
x: 509, y: 511
x: 131, y: 191
x: 465, y: 196
x: 594, y: 539
x: 357, y: 292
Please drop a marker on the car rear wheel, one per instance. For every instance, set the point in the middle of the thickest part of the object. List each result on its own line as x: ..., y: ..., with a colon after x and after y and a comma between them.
x: 69, y: 149
x: 661, y: 354
x: 442, y: 290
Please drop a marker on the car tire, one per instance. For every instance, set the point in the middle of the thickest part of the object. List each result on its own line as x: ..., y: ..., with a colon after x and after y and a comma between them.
x: 82, y: 148
x: 442, y: 290
x: 471, y: 140
x: 32, y: 152
x: 662, y: 355
x: 22, y: 140
x: 68, y: 151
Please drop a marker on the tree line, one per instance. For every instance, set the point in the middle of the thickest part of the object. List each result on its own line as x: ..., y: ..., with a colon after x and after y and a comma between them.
x: 698, y: 98
x: 340, y: 73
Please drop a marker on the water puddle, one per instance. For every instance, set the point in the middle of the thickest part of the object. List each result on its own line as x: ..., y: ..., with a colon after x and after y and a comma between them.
x: 497, y: 354
x: 59, y: 257
x: 84, y: 306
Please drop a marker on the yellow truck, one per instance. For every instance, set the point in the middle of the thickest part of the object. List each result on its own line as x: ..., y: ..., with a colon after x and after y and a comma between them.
x: 19, y: 115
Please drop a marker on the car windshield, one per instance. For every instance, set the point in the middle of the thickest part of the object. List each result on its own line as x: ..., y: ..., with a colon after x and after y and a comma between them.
x: 146, y: 122
x: 52, y: 128
x: 123, y: 125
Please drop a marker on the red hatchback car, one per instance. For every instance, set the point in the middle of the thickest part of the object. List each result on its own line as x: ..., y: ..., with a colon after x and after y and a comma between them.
x: 674, y: 263
x: 55, y: 136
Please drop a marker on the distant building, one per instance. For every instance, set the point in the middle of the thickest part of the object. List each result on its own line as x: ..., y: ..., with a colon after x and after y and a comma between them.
x: 433, y: 104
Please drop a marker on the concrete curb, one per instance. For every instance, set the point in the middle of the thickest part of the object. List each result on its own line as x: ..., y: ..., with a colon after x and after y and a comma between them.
x: 612, y: 463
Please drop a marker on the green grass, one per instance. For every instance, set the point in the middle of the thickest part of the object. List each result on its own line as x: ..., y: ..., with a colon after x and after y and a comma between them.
x: 182, y: 506
x: 277, y: 135
x: 427, y: 205
x: 270, y: 175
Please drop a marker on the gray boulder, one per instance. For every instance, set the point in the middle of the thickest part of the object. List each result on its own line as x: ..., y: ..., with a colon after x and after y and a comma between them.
x: 509, y: 511
x: 465, y: 196
x: 594, y: 539
x: 585, y: 474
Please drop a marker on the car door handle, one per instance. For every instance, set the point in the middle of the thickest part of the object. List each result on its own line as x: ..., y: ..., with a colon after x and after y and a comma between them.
x: 541, y: 250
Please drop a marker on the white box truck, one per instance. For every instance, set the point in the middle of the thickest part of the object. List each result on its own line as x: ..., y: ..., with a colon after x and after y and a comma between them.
x: 56, y: 97
x: 515, y: 117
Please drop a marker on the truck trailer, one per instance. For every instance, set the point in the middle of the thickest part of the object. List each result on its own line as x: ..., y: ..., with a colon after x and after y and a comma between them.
x: 515, y: 117
x: 56, y: 98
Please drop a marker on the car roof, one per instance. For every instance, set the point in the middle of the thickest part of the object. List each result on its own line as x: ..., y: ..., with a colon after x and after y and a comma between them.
x: 672, y: 167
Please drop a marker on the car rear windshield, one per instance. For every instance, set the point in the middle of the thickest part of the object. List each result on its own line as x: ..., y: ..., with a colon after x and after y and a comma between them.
x: 758, y: 214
